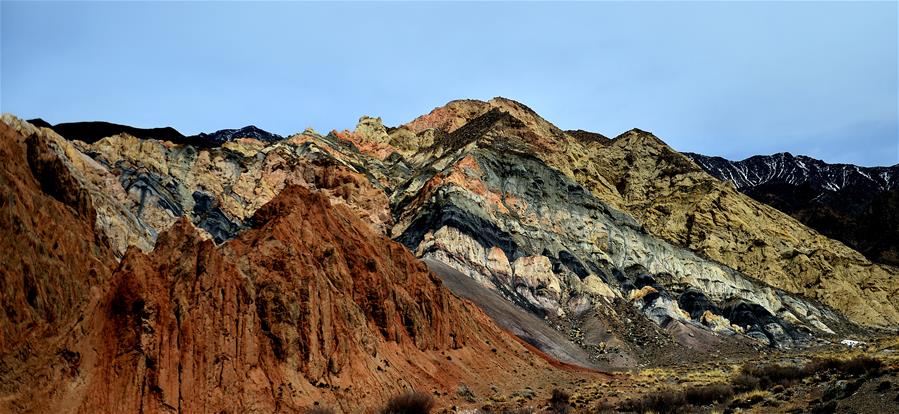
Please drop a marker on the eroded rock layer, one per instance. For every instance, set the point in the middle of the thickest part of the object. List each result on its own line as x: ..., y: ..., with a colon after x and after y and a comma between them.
x: 307, y: 304
x: 221, y: 187
x: 517, y: 226
x: 50, y: 253
x: 670, y: 196
x: 258, y: 272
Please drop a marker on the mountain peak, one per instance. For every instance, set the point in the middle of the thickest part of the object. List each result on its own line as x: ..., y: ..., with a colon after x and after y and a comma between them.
x: 636, y: 137
x: 93, y: 131
x: 449, y: 117
x: 588, y: 136
x: 224, y: 135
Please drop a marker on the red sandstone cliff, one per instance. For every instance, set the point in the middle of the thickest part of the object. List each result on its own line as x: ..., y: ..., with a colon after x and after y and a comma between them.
x: 309, y: 305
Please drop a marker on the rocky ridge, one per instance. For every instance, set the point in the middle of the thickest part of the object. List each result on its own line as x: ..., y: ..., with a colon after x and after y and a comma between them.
x: 447, y: 173
x: 676, y: 200
x: 503, y: 217
x: 785, y: 168
x: 193, y: 326
x: 94, y: 131
x: 225, y: 135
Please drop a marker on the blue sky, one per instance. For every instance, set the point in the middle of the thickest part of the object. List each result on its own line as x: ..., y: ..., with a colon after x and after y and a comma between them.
x: 730, y: 79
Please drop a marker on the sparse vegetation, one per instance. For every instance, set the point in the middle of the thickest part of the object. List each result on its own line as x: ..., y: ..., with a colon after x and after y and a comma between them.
x: 860, y: 365
x: 770, y: 375
x: 745, y: 382
x: 409, y: 403
x: 674, y: 401
x: 750, y: 398
x: 466, y: 393
x: 705, y: 395
x: 559, y: 402
x: 767, y: 376
x: 661, y: 402
x: 714, y: 389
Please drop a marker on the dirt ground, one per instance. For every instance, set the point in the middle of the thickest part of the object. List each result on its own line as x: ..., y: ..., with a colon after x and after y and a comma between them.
x: 824, y: 391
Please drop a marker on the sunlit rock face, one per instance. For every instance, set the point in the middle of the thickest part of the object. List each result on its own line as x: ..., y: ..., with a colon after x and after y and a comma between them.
x: 532, y: 234
x: 675, y: 200
x: 306, y: 305
x: 219, y: 188
x: 625, y: 246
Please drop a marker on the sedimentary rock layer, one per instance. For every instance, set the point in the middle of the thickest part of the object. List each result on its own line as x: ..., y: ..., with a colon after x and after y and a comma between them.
x: 305, y: 305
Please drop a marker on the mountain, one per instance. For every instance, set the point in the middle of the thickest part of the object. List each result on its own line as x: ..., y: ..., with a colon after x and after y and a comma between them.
x: 306, y: 305
x: 91, y: 132
x: 852, y: 204
x: 94, y: 131
x: 672, y: 199
x: 443, y: 254
x: 784, y: 168
x: 224, y: 135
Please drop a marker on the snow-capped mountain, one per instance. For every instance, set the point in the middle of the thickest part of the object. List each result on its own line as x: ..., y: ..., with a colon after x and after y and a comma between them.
x: 855, y: 205
x: 224, y: 135
x: 785, y: 168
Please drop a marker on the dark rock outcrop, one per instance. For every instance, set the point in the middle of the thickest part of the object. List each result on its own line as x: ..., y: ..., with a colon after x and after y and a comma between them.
x: 90, y: 132
x: 225, y: 135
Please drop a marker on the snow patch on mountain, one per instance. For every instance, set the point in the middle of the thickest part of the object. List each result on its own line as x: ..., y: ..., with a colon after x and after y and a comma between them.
x: 785, y: 168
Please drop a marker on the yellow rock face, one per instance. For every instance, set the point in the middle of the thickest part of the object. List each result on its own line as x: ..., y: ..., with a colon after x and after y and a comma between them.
x: 677, y: 201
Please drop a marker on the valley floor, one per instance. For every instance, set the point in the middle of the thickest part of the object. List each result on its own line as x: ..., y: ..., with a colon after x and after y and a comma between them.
x: 827, y: 379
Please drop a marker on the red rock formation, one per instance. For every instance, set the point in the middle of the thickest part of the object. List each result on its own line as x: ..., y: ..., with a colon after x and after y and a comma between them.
x: 309, y: 305
x: 49, y: 252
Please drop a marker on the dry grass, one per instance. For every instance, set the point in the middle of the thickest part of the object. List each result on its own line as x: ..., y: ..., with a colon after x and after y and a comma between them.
x: 752, y: 394
x: 678, y: 400
x: 767, y: 376
x: 559, y: 402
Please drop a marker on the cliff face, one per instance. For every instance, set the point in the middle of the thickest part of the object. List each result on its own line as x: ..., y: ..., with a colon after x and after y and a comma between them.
x: 221, y: 187
x: 672, y: 198
x: 852, y: 204
x: 679, y: 202
x: 47, y: 236
x: 259, y: 273
x: 306, y: 304
x: 493, y: 211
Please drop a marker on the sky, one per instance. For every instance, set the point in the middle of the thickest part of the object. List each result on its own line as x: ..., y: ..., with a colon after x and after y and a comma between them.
x: 721, y: 78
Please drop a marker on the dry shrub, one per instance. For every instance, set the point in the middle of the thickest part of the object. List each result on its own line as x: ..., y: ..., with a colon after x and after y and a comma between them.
x: 767, y: 376
x: 661, y: 402
x: 859, y: 365
x: 409, y: 403
x: 559, y: 402
x: 770, y: 375
x: 708, y: 394
x: 676, y: 401
x: 745, y: 382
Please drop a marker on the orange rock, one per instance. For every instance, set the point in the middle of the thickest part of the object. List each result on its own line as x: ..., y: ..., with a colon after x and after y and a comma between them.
x: 309, y: 305
x: 50, y: 255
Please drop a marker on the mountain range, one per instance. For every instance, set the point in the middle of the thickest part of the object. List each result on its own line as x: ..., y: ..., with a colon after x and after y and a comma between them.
x: 475, y: 250
x: 852, y: 204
